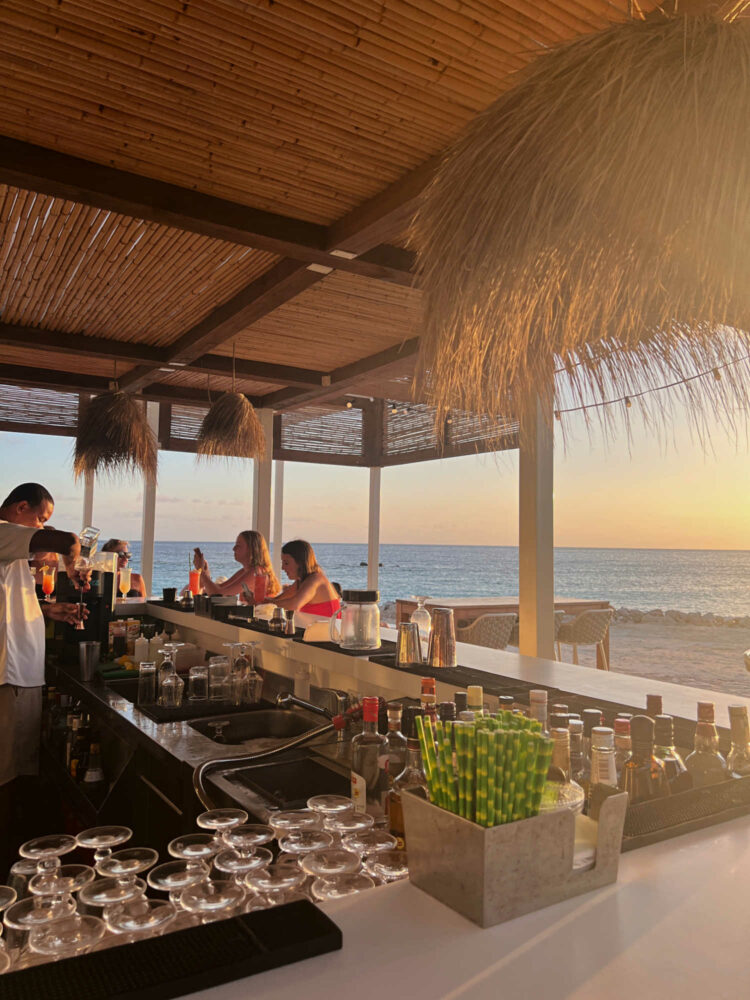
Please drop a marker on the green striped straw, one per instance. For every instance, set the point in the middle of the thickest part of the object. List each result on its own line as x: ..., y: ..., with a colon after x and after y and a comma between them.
x: 448, y: 757
x: 500, y: 742
x: 543, y: 759
x: 532, y: 750
x: 459, y: 740
x: 481, y: 778
x: 519, y: 798
x: 443, y: 765
x: 471, y: 756
x: 428, y: 758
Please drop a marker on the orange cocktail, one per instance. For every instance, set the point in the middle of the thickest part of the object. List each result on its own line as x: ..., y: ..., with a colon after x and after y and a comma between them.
x: 48, y: 583
x: 195, y: 582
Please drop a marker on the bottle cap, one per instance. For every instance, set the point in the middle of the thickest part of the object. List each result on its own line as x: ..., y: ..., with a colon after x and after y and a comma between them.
x: 573, y: 715
x: 447, y: 710
x: 395, y: 709
x: 475, y: 695
x: 537, y: 697
x: 602, y: 738
x: 459, y: 698
x: 592, y: 717
x: 624, y: 715
x: 466, y: 716
x: 558, y: 720
x: 622, y: 727
x: 370, y: 708
x: 664, y: 730
x: 653, y: 705
x: 706, y: 711
x: 575, y: 727
x: 737, y: 712
x: 642, y: 730
x: 428, y: 685
x: 505, y: 700
x: 560, y: 708
x: 560, y: 735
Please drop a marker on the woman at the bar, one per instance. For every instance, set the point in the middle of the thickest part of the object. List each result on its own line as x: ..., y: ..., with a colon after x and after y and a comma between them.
x: 255, y: 580
x: 124, y: 555
x: 310, y: 592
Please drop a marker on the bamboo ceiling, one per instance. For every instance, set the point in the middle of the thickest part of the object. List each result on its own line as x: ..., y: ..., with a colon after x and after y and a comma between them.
x: 257, y: 137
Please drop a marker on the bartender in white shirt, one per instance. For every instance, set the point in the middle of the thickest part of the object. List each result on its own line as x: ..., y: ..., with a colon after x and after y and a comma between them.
x: 23, y: 515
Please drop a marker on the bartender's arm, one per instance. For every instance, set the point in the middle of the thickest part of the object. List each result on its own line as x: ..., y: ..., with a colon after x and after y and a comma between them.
x: 67, y: 545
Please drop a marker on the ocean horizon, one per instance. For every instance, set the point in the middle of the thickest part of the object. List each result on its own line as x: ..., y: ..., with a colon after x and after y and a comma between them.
x: 689, y: 580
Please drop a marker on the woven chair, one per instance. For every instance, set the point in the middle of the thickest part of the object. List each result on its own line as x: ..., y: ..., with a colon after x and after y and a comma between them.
x: 514, y: 635
x: 587, y: 629
x: 488, y: 630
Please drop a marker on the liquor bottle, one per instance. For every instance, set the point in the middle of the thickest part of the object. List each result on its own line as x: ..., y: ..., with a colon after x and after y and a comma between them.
x: 560, y: 791
x: 94, y: 782
x: 461, y: 701
x: 396, y: 741
x: 558, y: 720
x: 643, y: 776
x: 412, y: 776
x: 428, y: 698
x: 467, y: 716
x: 447, y: 711
x: 654, y: 705
x: 738, y: 759
x: 592, y: 717
x: 664, y: 749
x: 506, y: 701
x: 560, y: 708
x: 475, y: 699
x: 705, y: 764
x: 603, y: 769
x: 580, y: 766
x: 369, y: 776
x: 538, y: 708
x: 622, y: 743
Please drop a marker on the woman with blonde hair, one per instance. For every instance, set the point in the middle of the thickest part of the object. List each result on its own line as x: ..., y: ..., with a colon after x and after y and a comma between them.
x: 121, y: 547
x: 251, y: 551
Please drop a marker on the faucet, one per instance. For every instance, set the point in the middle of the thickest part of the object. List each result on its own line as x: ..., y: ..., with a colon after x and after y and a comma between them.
x: 286, y: 699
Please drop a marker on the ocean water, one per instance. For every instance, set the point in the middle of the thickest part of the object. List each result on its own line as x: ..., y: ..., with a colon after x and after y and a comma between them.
x: 685, y: 580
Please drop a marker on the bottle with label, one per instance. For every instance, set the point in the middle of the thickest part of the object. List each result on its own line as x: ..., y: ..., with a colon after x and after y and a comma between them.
x: 428, y: 698
x: 447, y: 711
x: 94, y: 782
x: 155, y: 643
x: 538, y: 708
x: 705, y: 764
x: 665, y: 750
x: 738, y: 759
x: 558, y: 720
x: 396, y: 741
x: 653, y: 705
x: 506, y: 702
x: 560, y: 791
x: 461, y: 701
x: 643, y: 776
x: 603, y: 769
x: 412, y: 776
x: 622, y: 743
x: 369, y: 776
x: 140, y: 649
x: 475, y: 699
x: 592, y: 717
x: 580, y: 765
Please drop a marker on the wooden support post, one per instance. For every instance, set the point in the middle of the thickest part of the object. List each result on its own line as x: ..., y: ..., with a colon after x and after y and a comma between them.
x: 88, y: 500
x: 148, y: 517
x: 278, y: 517
x: 373, y: 530
x: 262, y: 479
x: 536, y: 535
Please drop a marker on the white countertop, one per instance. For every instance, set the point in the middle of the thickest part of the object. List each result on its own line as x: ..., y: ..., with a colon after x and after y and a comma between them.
x: 675, y: 924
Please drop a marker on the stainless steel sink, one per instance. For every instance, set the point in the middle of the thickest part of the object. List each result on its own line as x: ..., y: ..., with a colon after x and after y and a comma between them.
x: 275, y: 723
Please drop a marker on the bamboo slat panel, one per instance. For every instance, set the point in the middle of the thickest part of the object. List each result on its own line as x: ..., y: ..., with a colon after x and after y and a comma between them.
x: 308, y: 107
x: 338, y: 321
x: 71, y: 268
x: 216, y: 383
x: 54, y: 361
x: 24, y: 406
x: 322, y: 430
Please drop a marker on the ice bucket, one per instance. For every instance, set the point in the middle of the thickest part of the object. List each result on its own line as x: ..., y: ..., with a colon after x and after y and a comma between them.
x: 493, y: 874
x: 88, y: 658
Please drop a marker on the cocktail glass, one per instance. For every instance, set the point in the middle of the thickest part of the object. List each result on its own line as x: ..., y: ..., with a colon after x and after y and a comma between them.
x: 141, y: 916
x: 221, y: 821
x: 124, y: 866
x: 329, y: 862
x: 291, y: 820
x: 331, y: 805
x: 48, y: 584
x: 41, y: 908
x: 305, y: 841
x: 101, y: 839
x: 123, y: 584
x: 273, y: 884
x: 8, y: 896
x: 366, y: 842
x: 175, y: 876
x: 342, y: 824
x: 339, y: 886
x: 238, y: 864
x: 387, y: 866
x: 195, y: 848
x: 69, y: 936
x: 195, y: 582
x: 260, y: 587
x: 214, y: 899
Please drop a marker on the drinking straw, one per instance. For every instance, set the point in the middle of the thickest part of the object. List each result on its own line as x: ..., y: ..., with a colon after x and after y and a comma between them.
x: 500, y: 747
x: 481, y: 777
x: 540, y: 775
x: 442, y: 764
x: 427, y: 759
x: 491, y: 773
x: 448, y: 757
x: 519, y: 798
x: 460, y: 742
x: 532, y: 750
x: 471, y: 755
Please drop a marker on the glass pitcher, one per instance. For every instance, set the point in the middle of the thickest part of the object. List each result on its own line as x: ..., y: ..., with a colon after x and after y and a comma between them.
x: 359, y: 619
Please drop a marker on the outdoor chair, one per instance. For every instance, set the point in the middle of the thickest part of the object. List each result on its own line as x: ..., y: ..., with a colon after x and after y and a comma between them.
x: 488, y: 630
x: 514, y: 635
x: 587, y: 629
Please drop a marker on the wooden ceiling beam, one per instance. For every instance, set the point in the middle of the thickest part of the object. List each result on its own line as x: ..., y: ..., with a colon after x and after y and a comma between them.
x: 35, y: 168
x: 101, y: 348
x: 342, y: 378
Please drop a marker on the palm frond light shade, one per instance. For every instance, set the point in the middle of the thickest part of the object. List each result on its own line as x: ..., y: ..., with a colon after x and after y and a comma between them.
x: 114, y: 437
x: 595, y: 222
x: 231, y: 429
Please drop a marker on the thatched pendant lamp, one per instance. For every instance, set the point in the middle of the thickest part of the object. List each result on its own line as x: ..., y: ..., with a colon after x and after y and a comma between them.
x: 231, y: 429
x: 114, y: 436
x: 595, y: 220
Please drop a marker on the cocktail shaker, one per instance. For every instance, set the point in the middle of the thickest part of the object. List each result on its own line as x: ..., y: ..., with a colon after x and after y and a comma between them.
x: 442, y: 648
x: 408, y: 645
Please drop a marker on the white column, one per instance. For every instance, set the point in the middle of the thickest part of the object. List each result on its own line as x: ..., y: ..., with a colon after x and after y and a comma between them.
x: 373, y: 530
x: 148, y: 517
x: 262, y: 479
x: 88, y: 500
x: 536, y: 536
x: 278, y: 516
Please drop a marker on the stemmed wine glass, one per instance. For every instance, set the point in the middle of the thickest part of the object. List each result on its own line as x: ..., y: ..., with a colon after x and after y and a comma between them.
x: 101, y: 839
x: 7, y: 898
x: 342, y: 824
x: 40, y: 909
x: 67, y: 937
x: 367, y: 842
x: 276, y: 884
x: 291, y: 820
x: 331, y: 805
x: 221, y: 821
x: 244, y: 852
x: 330, y: 861
x: 338, y: 886
x: 171, y: 685
x: 387, y: 866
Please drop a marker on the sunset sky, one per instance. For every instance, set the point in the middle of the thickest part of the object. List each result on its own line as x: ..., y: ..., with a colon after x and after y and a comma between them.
x: 605, y: 496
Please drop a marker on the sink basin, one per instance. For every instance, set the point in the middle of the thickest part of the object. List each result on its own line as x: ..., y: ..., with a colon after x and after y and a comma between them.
x: 275, y: 723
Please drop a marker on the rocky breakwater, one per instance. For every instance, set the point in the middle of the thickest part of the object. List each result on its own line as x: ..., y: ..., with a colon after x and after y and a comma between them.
x: 634, y: 616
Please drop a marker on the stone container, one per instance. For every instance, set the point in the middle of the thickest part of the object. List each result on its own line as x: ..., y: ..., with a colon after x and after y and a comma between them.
x: 493, y: 874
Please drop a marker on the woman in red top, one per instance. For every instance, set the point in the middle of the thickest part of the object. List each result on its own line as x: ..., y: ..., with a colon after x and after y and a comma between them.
x: 311, y: 591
